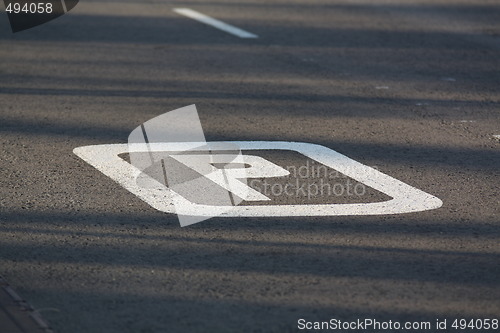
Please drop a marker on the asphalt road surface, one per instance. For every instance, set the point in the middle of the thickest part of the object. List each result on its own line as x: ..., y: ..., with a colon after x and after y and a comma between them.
x: 409, y: 87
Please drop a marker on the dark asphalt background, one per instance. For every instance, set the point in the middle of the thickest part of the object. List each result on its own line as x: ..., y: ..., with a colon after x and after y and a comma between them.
x: 412, y: 88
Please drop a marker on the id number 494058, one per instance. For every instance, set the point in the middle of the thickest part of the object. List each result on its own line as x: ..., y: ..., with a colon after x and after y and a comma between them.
x: 478, y: 324
x: 31, y: 8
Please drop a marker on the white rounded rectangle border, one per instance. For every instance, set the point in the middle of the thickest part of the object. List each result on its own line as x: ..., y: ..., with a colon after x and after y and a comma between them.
x: 405, y: 198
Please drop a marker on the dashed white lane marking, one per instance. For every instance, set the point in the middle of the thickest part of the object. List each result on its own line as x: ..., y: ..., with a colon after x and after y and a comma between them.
x: 214, y: 23
x: 405, y: 198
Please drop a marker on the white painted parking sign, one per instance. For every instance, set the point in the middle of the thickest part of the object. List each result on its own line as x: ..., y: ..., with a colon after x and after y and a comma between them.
x: 405, y: 198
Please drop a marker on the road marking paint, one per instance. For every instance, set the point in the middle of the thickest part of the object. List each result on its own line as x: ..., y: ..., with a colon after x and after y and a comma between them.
x: 405, y: 198
x: 381, y: 87
x: 214, y: 23
x: 258, y: 167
